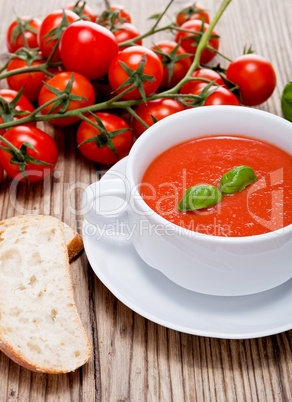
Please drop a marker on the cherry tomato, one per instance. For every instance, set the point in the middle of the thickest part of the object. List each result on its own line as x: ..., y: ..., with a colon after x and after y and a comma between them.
x: 81, y: 87
x: 82, y: 9
x: 171, y: 61
x: 221, y: 96
x: 22, y: 105
x: 14, y: 39
x: 46, y: 152
x: 132, y: 57
x: 123, y: 14
x: 122, y: 142
x: 255, y: 77
x: 88, y: 49
x: 192, y: 12
x: 114, y: 15
x: 192, y: 86
x: 31, y: 82
x: 51, y: 22
x: 189, y: 44
x: 158, y: 108
x: 126, y: 31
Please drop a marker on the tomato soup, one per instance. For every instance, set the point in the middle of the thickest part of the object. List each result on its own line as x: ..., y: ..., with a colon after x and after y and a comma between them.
x: 262, y: 207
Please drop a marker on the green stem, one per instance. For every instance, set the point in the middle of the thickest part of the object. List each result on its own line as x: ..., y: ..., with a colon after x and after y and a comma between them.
x: 41, y: 67
x: 53, y: 51
x: 132, y: 42
x: 19, y: 22
x: 177, y: 28
x: 4, y: 104
x: 201, y: 46
x: 162, y: 15
x: 39, y: 109
x: 71, y: 113
x: 20, y: 71
x: 134, y: 114
x: 120, y: 95
x: 201, y: 79
x: 92, y: 123
x: 82, y: 117
x: 219, y: 54
x: 233, y: 89
x: 49, y: 74
x: 94, y: 108
x: 4, y: 66
x: 152, y: 30
x: 17, y: 152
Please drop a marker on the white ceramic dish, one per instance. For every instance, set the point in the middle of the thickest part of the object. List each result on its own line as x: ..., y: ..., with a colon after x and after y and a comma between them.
x: 149, y: 293
x: 215, y: 265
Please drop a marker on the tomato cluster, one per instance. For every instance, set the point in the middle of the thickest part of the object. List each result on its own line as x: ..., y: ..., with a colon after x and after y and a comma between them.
x: 75, y: 62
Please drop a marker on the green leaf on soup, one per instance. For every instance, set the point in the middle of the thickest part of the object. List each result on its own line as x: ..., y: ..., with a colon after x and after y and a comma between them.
x: 199, y: 197
x: 237, y: 179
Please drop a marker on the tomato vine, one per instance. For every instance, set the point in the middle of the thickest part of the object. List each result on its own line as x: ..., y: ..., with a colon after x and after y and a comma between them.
x: 148, y: 77
x: 114, y: 102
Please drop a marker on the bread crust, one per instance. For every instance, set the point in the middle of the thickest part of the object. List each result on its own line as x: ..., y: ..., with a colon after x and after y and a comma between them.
x: 4, y: 344
x: 74, y: 246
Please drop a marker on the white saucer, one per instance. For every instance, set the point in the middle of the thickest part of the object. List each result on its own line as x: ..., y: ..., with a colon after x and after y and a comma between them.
x: 149, y: 293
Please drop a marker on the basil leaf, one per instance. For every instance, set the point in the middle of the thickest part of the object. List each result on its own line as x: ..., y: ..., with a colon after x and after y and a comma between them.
x: 198, y: 197
x: 237, y: 179
x: 286, y: 101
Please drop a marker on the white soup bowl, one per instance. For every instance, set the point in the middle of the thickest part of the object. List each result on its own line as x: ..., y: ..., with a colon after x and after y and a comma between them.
x: 222, y: 266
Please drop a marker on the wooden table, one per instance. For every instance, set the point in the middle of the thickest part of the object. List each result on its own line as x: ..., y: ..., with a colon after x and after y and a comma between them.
x: 135, y: 359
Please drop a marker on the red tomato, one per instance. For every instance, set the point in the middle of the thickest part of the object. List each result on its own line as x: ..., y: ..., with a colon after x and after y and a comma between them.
x: 122, y: 142
x: 192, y: 12
x: 158, y: 108
x: 46, y: 152
x: 113, y: 15
x: 123, y: 14
x: 14, y: 39
x: 82, y: 9
x: 126, y: 31
x: 190, y: 44
x: 132, y: 57
x: 31, y: 82
x: 88, y: 49
x: 180, y: 66
x: 81, y: 87
x: 254, y: 76
x: 192, y: 86
x: 22, y: 105
x: 221, y: 96
x: 1, y: 174
x: 51, y: 22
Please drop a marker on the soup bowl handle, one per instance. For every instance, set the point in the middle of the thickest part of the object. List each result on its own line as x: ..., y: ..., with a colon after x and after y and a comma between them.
x: 94, y: 210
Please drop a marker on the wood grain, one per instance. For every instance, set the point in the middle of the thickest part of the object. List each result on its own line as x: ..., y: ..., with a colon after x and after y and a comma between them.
x: 135, y: 359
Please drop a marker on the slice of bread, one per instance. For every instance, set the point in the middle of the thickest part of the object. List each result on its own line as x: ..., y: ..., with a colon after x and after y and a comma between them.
x: 73, y: 240
x: 39, y: 324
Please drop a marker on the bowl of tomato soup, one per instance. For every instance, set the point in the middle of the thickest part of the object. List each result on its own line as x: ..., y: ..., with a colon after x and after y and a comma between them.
x: 242, y: 243
x: 262, y: 207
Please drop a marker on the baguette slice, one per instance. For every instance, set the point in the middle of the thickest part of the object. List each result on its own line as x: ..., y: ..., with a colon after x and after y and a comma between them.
x: 39, y: 325
x: 73, y: 240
